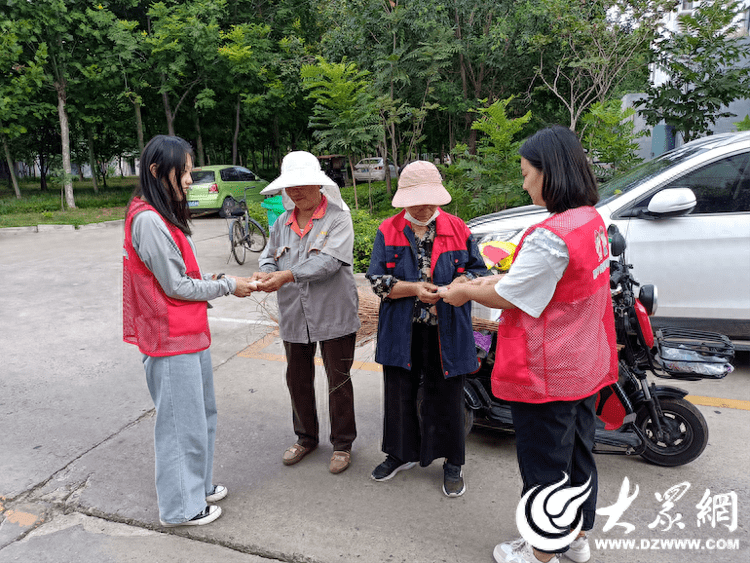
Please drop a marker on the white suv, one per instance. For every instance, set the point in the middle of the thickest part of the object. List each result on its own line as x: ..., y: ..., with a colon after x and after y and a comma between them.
x: 686, y: 218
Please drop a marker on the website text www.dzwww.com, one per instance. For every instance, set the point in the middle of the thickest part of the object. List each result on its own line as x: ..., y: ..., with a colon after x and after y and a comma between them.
x: 668, y: 544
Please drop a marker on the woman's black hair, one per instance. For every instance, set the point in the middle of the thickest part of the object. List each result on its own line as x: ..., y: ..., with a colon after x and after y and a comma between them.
x: 167, y: 153
x: 569, y: 181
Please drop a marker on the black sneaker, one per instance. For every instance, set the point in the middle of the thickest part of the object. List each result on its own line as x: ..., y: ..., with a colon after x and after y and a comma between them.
x: 390, y: 467
x: 205, y: 516
x: 453, y: 480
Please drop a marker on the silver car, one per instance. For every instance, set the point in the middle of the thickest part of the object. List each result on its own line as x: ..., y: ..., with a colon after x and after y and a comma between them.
x: 372, y: 169
x: 686, y: 218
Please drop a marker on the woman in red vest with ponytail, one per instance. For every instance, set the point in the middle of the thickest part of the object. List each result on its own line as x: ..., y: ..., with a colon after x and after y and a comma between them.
x: 556, y: 342
x: 165, y: 299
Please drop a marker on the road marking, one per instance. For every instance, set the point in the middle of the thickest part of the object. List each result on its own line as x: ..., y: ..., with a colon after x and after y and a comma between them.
x: 717, y: 402
x: 255, y: 351
x: 23, y: 519
x: 243, y: 321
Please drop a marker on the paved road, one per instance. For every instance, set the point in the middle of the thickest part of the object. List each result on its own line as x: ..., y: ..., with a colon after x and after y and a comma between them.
x: 76, y: 447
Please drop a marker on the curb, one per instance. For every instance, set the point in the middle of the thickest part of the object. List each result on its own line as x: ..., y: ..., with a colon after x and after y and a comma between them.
x: 51, y: 228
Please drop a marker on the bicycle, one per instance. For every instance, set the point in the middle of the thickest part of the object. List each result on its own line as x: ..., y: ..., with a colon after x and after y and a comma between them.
x: 245, y: 233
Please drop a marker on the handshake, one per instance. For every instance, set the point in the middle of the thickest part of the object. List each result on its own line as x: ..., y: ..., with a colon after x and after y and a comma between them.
x: 262, y: 281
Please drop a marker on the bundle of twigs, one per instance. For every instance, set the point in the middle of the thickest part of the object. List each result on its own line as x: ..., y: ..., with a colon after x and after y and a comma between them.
x: 369, y: 307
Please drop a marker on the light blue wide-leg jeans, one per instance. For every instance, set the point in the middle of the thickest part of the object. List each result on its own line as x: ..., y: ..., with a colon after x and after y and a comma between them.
x: 182, y: 388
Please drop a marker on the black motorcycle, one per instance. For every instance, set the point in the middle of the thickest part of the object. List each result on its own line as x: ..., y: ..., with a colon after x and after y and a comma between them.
x: 636, y: 417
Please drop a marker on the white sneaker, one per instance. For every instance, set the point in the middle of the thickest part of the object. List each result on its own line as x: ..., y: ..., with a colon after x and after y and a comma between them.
x: 579, y: 551
x: 517, y: 551
x: 205, y: 516
x: 218, y: 493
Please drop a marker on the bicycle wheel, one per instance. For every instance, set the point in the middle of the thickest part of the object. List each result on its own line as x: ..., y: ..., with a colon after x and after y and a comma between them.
x: 237, y: 239
x: 256, y: 236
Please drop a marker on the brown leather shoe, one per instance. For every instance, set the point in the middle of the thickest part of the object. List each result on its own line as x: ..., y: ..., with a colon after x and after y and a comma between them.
x: 295, y: 454
x: 340, y: 461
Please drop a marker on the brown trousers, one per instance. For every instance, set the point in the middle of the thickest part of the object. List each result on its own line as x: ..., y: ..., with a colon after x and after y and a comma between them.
x: 338, y: 357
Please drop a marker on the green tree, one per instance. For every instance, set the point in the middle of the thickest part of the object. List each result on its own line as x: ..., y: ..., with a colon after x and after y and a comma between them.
x: 703, y: 61
x: 609, y: 136
x: 492, y: 174
x: 345, y: 116
x: 184, y: 43
x: 743, y: 125
x: 247, y: 51
x: 592, y: 47
x: 20, y: 79
x: 56, y: 24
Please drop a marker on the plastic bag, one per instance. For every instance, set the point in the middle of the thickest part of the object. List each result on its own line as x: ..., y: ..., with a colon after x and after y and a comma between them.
x: 682, y: 360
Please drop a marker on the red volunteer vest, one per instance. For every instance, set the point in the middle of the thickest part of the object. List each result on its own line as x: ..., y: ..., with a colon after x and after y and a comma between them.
x: 158, y: 324
x: 569, y: 352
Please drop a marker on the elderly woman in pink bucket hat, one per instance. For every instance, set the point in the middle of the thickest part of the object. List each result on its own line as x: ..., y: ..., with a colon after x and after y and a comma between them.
x: 425, y: 345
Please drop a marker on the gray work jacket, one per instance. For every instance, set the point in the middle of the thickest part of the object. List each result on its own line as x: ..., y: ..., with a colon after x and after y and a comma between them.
x: 322, y: 302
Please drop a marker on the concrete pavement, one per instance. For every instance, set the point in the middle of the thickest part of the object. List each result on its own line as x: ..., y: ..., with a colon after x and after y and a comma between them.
x: 76, y: 450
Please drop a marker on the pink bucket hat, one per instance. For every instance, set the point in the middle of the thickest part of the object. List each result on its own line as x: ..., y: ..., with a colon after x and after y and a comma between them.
x: 420, y: 184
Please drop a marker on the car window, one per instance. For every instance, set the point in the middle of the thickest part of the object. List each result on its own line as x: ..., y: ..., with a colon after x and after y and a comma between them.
x: 202, y: 176
x: 244, y: 175
x: 611, y: 190
x: 229, y: 175
x: 722, y: 186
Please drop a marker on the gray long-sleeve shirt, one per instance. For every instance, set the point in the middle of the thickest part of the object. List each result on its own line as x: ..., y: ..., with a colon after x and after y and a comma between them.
x: 154, y: 245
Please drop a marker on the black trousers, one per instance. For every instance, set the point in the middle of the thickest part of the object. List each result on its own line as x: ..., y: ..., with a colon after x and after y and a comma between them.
x: 439, y: 432
x: 338, y: 357
x: 555, y: 438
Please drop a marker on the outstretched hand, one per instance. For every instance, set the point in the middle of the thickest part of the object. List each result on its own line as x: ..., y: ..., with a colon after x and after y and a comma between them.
x: 272, y: 281
x: 427, y: 292
x: 455, y: 294
x: 244, y: 287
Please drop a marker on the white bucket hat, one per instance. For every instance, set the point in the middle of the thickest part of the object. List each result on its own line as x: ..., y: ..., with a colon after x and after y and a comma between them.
x: 420, y: 184
x: 299, y: 168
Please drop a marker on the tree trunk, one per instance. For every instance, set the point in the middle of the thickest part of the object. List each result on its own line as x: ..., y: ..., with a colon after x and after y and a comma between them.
x: 65, y: 139
x: 387, y: 168
x: 92, y: 160
x: 42, y: 173
x: 167, y: 110
x: 10, y: 168
x: 139, y: 125
x: 354, y: 181
x: 199, y: 141
x: 236, y: 137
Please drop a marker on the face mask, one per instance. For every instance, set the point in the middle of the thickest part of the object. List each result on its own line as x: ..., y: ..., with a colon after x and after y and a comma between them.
x: 411, y: 219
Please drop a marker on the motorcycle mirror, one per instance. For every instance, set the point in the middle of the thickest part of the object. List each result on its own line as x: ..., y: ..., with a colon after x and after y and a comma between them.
x: 616, y: 240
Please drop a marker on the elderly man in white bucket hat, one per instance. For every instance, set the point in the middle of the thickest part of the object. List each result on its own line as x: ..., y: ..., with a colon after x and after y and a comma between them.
x: 308, y: 261
x: 425, y: 345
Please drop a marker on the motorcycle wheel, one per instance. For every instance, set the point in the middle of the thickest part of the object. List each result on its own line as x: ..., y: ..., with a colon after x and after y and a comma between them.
x: 468, y: 420
x: 686, y: 433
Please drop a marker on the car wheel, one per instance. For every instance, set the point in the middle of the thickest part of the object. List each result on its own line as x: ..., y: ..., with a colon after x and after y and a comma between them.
x: 227, y: 206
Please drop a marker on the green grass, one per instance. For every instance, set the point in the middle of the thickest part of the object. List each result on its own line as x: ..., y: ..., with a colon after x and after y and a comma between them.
x: 37, y: 207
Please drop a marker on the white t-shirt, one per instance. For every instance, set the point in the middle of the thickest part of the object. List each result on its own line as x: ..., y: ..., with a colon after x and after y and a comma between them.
x: 533, y: 277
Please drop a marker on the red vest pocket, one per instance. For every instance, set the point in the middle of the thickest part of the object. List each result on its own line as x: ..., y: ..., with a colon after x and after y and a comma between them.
x: 511, y: 358
x: 187, y: 318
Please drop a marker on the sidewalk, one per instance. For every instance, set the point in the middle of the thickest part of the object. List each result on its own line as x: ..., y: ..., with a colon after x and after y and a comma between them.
x: 76, y: 461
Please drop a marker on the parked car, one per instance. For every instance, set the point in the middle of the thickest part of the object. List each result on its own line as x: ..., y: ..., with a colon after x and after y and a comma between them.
x: 219, y: 187
x: 372, y: 169
x: 686, y: 219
